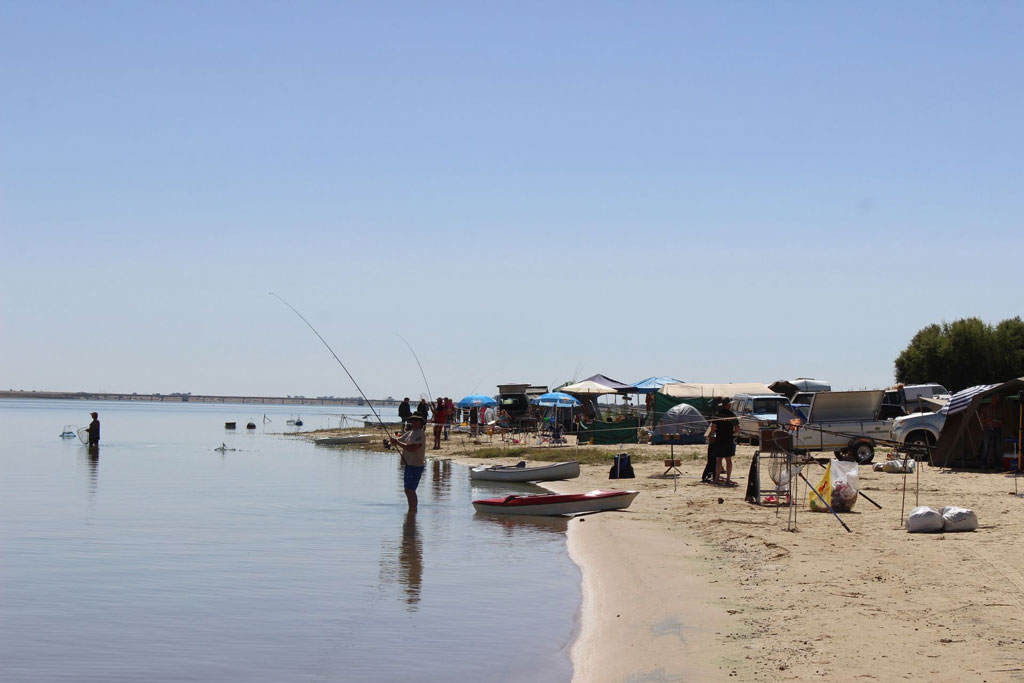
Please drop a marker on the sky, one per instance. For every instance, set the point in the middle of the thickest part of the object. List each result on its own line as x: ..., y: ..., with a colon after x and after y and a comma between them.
x: 523, y: 191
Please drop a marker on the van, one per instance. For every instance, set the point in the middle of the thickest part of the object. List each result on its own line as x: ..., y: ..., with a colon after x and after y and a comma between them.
x: 756, y: 412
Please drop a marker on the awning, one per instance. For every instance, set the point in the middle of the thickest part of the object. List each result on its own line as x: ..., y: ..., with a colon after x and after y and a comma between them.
x: 684, y: 390
x: 961, y: 399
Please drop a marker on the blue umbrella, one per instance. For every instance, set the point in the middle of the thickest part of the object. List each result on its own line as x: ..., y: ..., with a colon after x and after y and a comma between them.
x: 476, y: 400
x: 556, y: 399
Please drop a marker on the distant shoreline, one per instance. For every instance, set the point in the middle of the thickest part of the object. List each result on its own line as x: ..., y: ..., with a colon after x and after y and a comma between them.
x: 196, y: 398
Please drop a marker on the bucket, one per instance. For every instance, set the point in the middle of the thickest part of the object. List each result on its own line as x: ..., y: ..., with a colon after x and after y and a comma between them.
x: 1009, y: 461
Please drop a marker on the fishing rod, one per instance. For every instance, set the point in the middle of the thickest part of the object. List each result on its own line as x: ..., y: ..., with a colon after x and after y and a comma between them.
x: 387, y: 443
x: 420, y: 366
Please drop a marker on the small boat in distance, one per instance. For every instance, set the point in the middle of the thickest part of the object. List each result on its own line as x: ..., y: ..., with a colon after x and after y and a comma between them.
x: 297, y: 422
x: 520, y: 472
x: 229, y: 425
x: 70, y: 432
x: 344, y: 440
x: 250, y: 425
x: 557, y: 503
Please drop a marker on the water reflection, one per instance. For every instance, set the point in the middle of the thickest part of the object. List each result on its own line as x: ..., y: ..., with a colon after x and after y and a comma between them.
x: 524, y: 524
x: 404, y: 564
x: 441, y: 478
x: 94, y: 472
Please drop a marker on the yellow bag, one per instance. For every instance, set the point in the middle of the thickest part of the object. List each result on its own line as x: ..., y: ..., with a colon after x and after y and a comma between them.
x: 824, y: 487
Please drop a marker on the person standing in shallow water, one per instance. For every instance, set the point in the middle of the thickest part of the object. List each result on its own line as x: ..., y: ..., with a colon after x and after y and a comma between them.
x: 414, y: 457
x: 94, y: 431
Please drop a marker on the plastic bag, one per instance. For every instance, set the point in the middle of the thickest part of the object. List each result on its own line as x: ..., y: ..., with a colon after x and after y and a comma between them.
x: 896, y: 466
x: 924, y: 519
x: 958, y: 519
x: 838, y: 486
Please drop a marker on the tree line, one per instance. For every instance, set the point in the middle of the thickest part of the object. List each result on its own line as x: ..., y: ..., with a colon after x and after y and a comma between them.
x: 963, y: 353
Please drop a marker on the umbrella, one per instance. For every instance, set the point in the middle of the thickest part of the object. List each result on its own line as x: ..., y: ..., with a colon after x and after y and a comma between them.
x: 556, y: 399
x: 476, y: 400
x: 588, y: 388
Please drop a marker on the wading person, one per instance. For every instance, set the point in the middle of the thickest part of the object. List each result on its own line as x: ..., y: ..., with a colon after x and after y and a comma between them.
x: 414, y: 456
x: 94, y: 431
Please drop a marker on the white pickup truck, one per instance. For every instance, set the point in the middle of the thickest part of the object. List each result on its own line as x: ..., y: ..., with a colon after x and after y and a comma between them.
x: 843, y: 421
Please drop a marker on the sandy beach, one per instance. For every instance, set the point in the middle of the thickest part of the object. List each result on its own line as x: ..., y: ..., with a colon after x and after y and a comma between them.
x: 693, y: 583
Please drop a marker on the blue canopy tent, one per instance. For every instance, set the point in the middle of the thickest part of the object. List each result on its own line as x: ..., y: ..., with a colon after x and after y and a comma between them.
x: 652, y: 384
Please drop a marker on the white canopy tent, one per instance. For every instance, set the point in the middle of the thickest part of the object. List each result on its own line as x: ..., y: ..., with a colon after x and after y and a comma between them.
x: 689, y: 390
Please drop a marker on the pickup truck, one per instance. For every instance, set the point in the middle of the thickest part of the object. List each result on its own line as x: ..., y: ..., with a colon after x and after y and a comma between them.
x: 845, y: 422
x: 918, y: 431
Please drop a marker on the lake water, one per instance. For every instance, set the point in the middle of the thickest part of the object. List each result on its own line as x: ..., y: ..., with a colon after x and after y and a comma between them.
x: 165, y: 560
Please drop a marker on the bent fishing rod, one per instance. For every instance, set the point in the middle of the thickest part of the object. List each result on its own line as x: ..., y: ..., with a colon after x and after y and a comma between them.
x: 387, y: 442
x: 420, y: 366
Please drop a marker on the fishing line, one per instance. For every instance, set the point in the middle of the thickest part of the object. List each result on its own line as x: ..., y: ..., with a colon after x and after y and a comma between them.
x: 417, y: 363
x: 368, y: 402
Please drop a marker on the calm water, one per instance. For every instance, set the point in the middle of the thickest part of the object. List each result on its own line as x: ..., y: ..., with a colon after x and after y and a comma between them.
x: 164, y: 560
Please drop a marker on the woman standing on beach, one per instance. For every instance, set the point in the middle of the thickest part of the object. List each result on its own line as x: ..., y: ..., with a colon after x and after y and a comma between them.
x: 724, y: 427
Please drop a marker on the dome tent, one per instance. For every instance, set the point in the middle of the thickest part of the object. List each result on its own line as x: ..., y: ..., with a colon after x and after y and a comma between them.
x: 682, y: 424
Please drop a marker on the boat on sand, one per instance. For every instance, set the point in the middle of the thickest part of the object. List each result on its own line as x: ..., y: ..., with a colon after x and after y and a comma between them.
x: 520, y: 472
x: 557, y: 503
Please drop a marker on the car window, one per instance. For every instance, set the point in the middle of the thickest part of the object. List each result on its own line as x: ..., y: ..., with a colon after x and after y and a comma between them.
x: 767, y: 405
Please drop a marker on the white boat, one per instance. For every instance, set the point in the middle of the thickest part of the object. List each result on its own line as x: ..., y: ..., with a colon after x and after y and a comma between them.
x: 520, y: 472
x: 556, y: 503
x: 344, y: 440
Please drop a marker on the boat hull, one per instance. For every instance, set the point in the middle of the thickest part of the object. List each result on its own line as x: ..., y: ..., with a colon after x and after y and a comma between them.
x: 557, y: 504
x: 560, y: 470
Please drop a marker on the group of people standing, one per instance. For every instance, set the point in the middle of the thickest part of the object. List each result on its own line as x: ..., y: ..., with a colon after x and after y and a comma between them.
x: 441, y: 413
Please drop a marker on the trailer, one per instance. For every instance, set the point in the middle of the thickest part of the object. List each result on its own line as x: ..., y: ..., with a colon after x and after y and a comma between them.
x: 845, y: 422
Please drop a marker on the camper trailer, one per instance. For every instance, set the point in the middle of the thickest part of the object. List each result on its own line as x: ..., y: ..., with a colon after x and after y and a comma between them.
x: 846, y: 422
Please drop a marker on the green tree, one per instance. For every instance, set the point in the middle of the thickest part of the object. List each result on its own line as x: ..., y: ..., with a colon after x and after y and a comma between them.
x: 963, y: 353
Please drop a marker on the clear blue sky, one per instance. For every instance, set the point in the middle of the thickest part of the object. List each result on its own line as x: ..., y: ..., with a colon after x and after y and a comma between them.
x: 718, y: 191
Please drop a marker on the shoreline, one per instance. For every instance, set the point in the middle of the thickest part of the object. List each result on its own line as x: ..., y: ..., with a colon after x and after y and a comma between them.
x: 693, y: 583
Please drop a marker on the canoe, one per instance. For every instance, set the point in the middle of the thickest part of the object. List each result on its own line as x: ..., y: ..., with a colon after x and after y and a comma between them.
x: 344, y: 440
x: 520, y: 472
x: 556, y: 503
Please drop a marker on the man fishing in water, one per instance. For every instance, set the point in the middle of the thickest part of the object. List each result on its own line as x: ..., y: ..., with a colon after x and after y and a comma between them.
x: 414, y: 456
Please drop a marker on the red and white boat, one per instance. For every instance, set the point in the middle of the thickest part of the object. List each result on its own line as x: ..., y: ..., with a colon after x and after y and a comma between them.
x: 557, y: 503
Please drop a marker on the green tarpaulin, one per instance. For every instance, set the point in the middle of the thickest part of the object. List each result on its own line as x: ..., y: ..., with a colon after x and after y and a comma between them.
x: 663, y: 403
x: 606, y: 433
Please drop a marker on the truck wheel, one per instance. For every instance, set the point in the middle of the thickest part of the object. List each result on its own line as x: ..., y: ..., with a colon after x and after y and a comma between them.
x: 863, y: 452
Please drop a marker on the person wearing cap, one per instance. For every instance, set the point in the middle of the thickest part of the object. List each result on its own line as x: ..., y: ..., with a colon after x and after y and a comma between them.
x: 414, y: 456
x: 94, y: 431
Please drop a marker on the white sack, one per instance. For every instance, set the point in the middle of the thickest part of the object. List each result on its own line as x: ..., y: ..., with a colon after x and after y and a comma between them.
x: 924, y: 519
x: 958, y: 519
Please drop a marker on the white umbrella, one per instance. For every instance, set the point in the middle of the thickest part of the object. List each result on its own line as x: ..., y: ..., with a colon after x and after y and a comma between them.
x: 588, y: 388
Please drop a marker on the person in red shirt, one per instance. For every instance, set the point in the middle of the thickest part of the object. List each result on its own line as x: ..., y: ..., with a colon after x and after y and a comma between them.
x: 440, y: 418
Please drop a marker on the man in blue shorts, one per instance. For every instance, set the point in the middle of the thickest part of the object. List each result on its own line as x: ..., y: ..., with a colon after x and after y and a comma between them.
x: 414, y: 456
